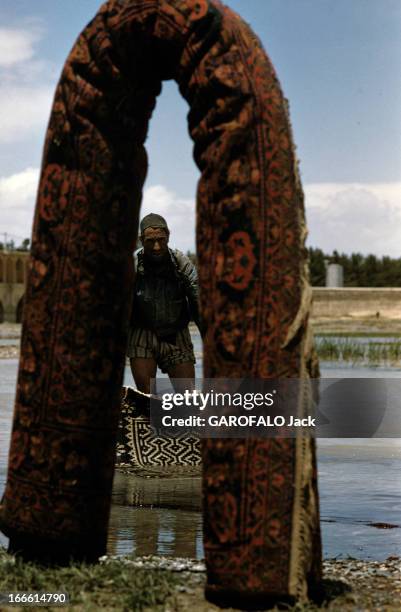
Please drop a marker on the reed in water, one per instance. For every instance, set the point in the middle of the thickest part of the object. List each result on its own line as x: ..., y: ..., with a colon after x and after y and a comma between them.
x: 353, y: 350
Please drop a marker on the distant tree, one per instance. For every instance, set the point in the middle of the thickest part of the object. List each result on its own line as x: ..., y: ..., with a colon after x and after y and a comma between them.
x: 359, y: 270
x: 317, y: 267
x: 355, y: 277
x: 370, y: 270
x: 390, y: 272
x: 24, y: 246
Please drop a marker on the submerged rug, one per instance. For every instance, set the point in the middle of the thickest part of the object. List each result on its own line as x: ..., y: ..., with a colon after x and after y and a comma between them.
x: 261, y: 518
x: 139, y: 446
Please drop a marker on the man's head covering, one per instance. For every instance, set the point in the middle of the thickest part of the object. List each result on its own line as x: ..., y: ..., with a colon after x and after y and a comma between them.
x: 153, y: 220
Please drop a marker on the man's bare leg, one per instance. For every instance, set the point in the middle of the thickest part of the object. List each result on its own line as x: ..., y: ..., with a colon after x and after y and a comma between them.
x: 143, y: 370
x: 182, y: 370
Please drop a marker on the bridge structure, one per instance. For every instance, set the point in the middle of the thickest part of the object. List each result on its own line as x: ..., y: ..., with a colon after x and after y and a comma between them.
x: 13, y: 274
x: 328, y: 302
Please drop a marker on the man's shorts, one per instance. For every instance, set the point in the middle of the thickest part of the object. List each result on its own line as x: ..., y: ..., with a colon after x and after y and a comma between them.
x: 145, y: 344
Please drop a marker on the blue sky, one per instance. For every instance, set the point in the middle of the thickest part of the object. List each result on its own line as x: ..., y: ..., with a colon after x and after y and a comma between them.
x: 339, y: 65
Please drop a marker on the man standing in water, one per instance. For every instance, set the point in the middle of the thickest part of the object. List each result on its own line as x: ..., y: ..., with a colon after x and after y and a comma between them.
x: 165, y: 300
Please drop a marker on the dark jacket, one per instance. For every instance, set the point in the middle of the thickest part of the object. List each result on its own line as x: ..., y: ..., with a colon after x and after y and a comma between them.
x: 165, y: 297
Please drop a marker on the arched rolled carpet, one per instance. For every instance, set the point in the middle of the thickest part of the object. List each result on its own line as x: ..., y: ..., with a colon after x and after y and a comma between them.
x: 261, y: 518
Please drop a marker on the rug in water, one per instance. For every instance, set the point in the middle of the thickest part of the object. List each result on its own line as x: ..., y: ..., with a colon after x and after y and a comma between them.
x: 138, y: 445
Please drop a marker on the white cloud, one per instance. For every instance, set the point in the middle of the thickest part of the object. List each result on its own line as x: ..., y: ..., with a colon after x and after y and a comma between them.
x: 26, y: 85
x: 18, y: 197
x: 347, y: 217
x: 16, y: 46
x: 355, y: 217
x: 22, y: 111
x: 17, y: 202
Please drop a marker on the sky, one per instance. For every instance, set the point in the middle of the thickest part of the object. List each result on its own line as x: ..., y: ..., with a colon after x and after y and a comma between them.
x: 339, y: 63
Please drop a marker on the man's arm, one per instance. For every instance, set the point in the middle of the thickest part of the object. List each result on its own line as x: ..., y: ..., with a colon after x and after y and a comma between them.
x: 189, y: 277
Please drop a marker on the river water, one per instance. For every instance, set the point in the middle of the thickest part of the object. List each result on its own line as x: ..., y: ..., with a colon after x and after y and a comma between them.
x: 359, y: 484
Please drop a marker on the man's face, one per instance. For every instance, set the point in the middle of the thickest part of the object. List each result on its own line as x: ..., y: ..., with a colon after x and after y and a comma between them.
x: 155, y: 241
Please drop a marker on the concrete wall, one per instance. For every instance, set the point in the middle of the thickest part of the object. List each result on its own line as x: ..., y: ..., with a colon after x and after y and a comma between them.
x: 358, y: 302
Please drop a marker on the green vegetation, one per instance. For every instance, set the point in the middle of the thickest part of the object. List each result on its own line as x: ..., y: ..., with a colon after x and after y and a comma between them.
x: 117, y: 586
x: 359, y: 270
x: 114, y: 585
x: 9, y: 245
x: 350, y: 350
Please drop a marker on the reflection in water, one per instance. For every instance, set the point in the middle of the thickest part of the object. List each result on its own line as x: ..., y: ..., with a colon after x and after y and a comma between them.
x: 157, y: 515
x: 176, y: 492
x: 359, y: 480
x: 152, y: 516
